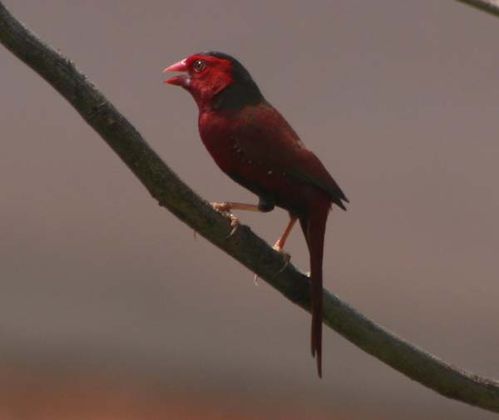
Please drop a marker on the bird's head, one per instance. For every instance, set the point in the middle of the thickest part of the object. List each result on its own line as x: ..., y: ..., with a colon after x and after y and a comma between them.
x: 215, y: 80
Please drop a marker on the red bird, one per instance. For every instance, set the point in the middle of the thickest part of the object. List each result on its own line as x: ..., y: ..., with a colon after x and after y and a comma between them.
x: 254, y: 145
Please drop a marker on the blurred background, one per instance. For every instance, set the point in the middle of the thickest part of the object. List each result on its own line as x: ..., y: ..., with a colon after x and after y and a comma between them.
x: 109, y: 308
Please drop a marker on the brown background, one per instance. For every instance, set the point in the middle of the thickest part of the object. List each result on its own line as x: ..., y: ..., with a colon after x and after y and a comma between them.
x: 399, y: 99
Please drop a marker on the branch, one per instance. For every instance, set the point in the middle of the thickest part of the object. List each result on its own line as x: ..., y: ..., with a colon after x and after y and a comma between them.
x: 244, y: 246
x: 489, y: 6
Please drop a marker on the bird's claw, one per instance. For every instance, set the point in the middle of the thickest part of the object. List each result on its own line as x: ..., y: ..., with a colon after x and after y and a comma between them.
x: 224, y: 209
x: 287, y: 258
x: 221, y: 207
x: 234, y: 224
x: 255, y: 279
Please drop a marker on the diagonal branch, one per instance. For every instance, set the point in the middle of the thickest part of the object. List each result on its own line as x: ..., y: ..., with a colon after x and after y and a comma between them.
x: 244, y: 245
x: 489, y: 6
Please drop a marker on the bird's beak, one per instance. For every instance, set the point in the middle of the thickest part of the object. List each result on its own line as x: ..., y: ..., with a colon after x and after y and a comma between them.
x: 180, y: 80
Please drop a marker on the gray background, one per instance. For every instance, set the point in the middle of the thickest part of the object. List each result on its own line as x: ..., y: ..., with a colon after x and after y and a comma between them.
x: 399, y: 100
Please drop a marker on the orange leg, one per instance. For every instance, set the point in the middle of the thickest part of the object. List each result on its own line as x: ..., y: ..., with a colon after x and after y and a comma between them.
x: 229, y: 205
x: 226, y: 208
x: 279, y: 245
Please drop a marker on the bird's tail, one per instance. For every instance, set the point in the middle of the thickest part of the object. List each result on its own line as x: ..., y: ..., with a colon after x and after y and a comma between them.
x: 314, y: 226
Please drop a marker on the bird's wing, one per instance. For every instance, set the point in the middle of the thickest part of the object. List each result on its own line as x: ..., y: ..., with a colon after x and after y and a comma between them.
x: 265, y: 137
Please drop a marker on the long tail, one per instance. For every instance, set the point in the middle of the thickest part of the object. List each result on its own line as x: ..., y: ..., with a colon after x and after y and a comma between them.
x: 314, y: 226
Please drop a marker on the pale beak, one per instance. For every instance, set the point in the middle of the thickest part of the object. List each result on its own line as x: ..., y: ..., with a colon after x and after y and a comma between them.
x: 181, y: 80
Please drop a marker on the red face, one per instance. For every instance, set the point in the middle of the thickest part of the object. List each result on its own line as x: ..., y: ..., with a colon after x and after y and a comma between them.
x: 204, y: 76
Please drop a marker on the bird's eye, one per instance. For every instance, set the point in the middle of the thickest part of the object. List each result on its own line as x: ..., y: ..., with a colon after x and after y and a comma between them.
x: 199, y: 66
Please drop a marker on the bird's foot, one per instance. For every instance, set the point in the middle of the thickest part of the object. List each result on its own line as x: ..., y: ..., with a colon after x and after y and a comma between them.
x: 224, y: 209
x: 221, y: 207
x: 278, y: 245
x: 234, y: 224
x: 287, y: 258
x: 255, y: 279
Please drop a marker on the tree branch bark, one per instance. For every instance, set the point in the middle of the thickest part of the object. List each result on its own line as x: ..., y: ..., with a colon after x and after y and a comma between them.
x: 170, y: 192
x: 489, y: 6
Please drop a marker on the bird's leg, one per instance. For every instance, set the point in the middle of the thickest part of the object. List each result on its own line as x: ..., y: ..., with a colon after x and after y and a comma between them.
x: 279, y: 245
x: 226, y: 208
x: 263, y: 206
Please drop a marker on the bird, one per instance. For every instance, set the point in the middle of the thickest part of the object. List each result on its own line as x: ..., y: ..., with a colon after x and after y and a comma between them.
x: 256, y: 147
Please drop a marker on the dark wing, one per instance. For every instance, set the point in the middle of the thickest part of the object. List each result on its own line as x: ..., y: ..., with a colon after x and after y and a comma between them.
x: 265, y: 137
